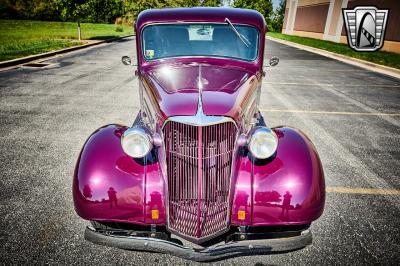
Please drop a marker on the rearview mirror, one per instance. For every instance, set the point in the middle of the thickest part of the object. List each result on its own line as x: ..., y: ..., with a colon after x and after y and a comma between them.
x: 274, y: 61
x: 126, y: 60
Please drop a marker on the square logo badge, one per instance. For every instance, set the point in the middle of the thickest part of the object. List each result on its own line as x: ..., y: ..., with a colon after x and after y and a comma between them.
x: 365, y: 26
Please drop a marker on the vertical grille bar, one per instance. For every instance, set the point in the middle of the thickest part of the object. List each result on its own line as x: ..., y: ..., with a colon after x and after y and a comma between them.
x: 198, y: 167
x: 199, y: 179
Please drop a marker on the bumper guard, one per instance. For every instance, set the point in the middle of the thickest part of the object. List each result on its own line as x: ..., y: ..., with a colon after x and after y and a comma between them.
x: 216, y: 252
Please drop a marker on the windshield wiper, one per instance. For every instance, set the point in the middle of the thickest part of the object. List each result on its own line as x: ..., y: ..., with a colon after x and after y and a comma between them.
x: 241, y: 37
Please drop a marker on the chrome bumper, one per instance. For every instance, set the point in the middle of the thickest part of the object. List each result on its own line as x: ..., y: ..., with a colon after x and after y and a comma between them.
x: 212, y: 253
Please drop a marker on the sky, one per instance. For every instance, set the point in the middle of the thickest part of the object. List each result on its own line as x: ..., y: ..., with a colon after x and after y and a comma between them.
x: 275, y: 3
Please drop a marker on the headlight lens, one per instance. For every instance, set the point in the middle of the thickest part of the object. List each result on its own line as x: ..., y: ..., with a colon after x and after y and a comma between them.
x: 263, y: 143
x: 136, y: 142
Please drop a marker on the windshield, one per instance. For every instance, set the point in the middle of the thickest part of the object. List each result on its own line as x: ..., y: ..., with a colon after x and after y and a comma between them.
x: 220, y: 40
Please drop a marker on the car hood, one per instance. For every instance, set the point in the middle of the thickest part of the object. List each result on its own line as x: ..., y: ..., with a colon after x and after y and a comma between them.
x: 176, y: 90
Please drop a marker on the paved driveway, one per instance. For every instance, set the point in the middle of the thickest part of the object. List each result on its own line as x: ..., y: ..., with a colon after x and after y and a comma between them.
x: 46, y: 114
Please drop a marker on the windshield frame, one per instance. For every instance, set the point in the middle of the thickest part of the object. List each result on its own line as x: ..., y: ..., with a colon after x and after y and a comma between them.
x: 258, y: 42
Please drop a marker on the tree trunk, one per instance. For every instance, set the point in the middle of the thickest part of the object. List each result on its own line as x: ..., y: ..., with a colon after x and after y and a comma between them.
x: 79, y: 30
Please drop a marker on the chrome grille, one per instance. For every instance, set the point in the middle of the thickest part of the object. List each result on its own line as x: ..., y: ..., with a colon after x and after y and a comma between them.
x: 198, y: 166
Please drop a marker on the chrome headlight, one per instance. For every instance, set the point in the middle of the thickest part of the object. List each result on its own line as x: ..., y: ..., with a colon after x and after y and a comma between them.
x: 263, y: 142
x: 136, y: 142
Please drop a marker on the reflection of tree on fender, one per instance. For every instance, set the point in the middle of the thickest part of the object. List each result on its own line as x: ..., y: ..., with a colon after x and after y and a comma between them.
x: 287, y: 198
x: 267, y: 197
x: 155, y: 200
x: 87, y: 192
x: 112, y: 197
x: 241, y: 198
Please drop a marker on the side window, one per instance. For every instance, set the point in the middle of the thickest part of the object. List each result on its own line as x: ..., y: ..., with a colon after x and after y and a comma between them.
x: 151, y: 43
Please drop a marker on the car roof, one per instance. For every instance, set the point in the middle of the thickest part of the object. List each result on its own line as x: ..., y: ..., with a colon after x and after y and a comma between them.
x: 201, y: 14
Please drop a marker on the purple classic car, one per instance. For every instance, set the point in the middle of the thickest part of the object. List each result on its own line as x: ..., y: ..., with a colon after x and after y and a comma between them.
x: 199, y: 174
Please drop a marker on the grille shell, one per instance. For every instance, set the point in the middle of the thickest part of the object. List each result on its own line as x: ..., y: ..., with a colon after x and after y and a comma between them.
x: 199, y: 160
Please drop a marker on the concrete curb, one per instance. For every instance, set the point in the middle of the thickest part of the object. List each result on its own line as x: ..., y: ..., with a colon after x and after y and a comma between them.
x: 393, y: 72
x: 23, y: 60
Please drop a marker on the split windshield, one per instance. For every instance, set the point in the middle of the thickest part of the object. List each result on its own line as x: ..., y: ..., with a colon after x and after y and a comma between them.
x: 217, y: 40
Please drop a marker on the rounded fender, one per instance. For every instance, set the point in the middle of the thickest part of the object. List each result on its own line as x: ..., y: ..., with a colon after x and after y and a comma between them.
x: 288, y: 188
x: 109, y: 185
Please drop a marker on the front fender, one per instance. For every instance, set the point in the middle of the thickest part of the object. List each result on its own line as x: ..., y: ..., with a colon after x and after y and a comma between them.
x: 109, y: 185
x: 287, y: 189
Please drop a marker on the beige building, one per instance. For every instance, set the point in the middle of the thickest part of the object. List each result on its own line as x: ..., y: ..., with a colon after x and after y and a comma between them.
x: 322, y: 19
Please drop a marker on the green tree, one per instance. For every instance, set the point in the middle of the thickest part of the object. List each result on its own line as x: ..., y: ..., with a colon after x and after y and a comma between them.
x: 210, y: 3
x: 104, y: 11
x: 74, y: 10
x: 262, y: 6
x: 96, y: 11
x: 34, y: 9
x: 134, y: 7
x: 45, y: 10
x: 15, y: 9
x: 278, y: 17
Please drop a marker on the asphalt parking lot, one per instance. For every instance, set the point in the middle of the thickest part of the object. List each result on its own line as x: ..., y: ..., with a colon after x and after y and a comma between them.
x: 46, y: 114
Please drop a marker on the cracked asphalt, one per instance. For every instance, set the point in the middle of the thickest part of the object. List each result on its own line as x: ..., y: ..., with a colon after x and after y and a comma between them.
x: 47, y: 113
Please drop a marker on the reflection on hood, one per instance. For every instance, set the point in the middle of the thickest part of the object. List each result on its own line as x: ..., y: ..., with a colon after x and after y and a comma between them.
x: 176, y: 88
x: 195, y: 77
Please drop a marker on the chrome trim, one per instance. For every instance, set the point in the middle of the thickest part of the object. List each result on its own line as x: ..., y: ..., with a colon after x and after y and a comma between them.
x: 200, y: 119
x: 232, y: 183
x: 164, y: 172
x: 137, y: 130
x: 256, y: 130
x: 229, y: 201
x: 201, y: 240
x: 215, y: 252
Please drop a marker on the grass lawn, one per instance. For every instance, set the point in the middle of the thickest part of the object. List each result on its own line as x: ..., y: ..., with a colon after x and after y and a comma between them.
x: 378, y: 57
x: 20, y: 38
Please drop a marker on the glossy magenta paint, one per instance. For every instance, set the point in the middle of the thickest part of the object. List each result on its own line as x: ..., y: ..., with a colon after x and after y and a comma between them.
x: 258, y: 188
x: 111, y: 186
x: 166, y: 82
x: 236, y: 71
x: 289, y: 189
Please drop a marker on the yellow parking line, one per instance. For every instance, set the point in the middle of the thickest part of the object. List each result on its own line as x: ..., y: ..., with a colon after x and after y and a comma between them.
x: 332, y: 85
x: 370, y: 191
x: 327, y: 112
x: 300, y: 84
